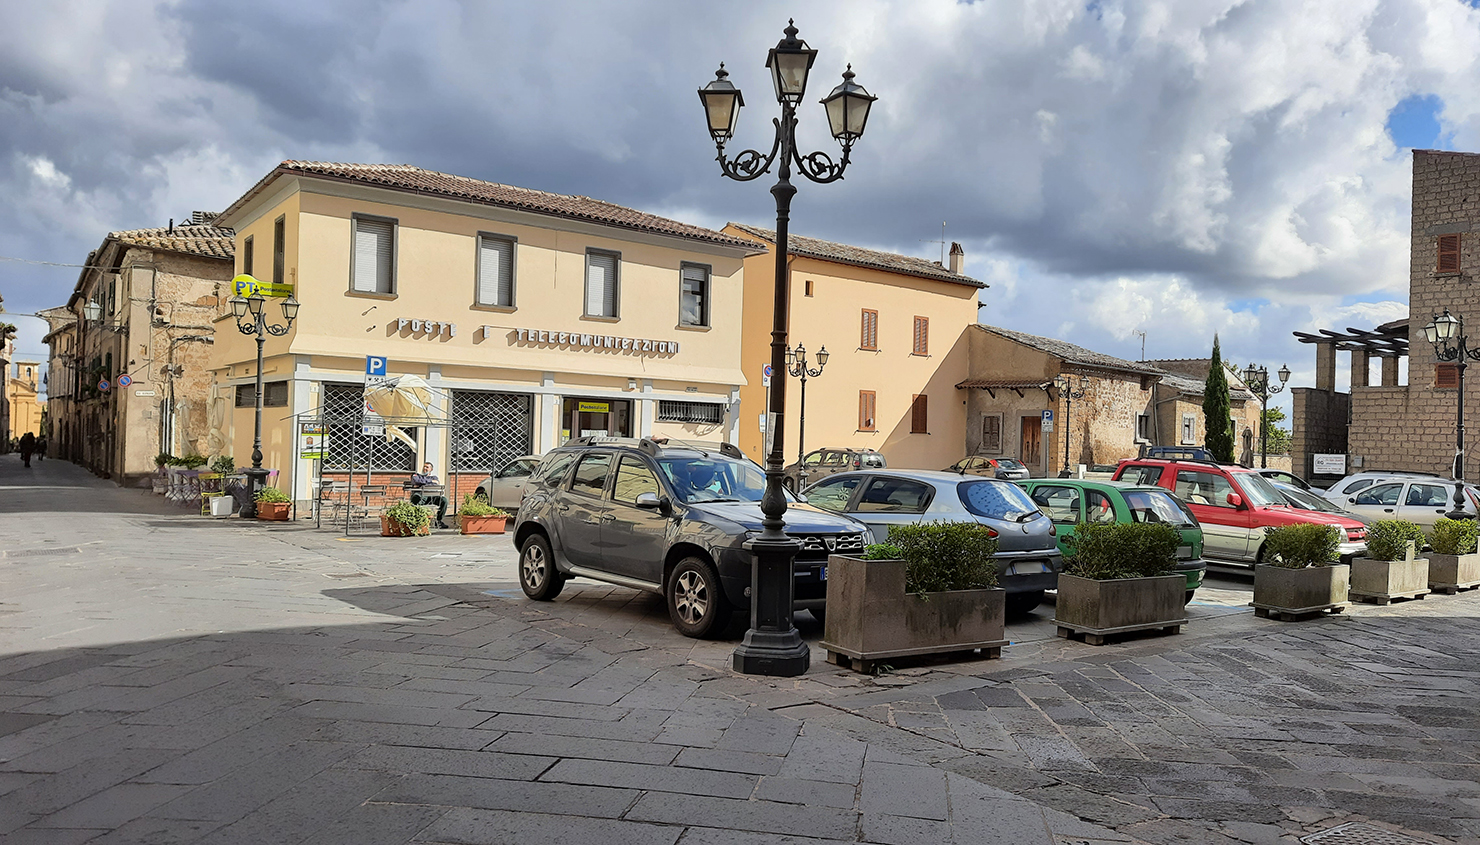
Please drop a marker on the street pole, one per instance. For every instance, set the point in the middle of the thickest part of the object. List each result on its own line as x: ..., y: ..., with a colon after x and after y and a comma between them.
x: 796, y: 361
x: 1066, y: 389
x: 1256, y: 379
x: 260, y: 329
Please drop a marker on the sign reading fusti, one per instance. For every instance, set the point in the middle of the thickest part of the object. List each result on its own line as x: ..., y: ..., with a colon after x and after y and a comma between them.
x: 580, y: 340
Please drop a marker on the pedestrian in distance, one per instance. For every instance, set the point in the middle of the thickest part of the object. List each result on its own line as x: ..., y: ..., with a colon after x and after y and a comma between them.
x: 41, y: 448
x: 28, y: 445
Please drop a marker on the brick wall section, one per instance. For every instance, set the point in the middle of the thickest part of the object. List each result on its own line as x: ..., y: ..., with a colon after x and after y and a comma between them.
x: 1321, y: 417
x: 463, y: 484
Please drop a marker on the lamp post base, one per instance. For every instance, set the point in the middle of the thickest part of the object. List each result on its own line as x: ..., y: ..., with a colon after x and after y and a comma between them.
x: 773, y: 645
x: 256, y: 480
x: 780, y: 654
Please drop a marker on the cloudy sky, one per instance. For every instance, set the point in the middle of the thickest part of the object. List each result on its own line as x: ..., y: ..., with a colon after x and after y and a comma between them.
x: 1175, y: 168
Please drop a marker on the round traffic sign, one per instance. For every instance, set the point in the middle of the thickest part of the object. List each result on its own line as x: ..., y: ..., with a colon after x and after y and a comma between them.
x: 124, y: 380
x: 767, y: 372
x: 103, y: 385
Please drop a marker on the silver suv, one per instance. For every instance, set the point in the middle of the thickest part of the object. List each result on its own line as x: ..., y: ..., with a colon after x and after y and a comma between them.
x: 665, y: 517
x: 820, y: 463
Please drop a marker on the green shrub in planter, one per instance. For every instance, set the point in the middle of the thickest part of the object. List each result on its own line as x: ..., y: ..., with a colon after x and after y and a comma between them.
x: 1302, y: 544
x: 1387, y: 539
x: 223, y: 464
x: 1108, y: 551
x: 883, y: 551
x: 474, y: 506
x: 164, y: 459
x: 943, y: 556
x: 1454, y: 536
x: 272, y: 496
x: 413, y: 517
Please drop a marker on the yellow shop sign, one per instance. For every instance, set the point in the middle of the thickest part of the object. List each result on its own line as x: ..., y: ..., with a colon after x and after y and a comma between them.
x: 594, y: 407
x: 245, y: 285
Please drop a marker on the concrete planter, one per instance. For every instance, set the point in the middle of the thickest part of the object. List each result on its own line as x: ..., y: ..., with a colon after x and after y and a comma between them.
x: 1097, y: 609
x: 870, y: 618
x: 391, y: 528
x: 1381, y: 581
x: 222, y: 506
x: 1283, y: 593
x: 1452, y: 573
x: 483, y: 524
x: 273, y: 511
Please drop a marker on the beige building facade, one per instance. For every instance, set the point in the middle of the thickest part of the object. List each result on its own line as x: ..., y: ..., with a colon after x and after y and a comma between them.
x: 534, y: 317
x: 893, y: 327
x: 22, y: 395
x: 1179, y: 419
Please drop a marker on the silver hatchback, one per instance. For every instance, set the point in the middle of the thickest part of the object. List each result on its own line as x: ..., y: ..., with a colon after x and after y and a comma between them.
x: 1028, y: 558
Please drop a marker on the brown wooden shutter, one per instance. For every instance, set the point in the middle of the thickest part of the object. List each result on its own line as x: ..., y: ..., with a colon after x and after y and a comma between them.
x: 922, y: 335
x: 869, y: 333
x: 992, y: 434
x: 865, y: 410
x: 1449, y: 253
x: 1446, y: 377
x: 920, y: 415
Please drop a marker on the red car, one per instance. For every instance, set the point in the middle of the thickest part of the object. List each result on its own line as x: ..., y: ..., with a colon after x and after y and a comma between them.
x: 1235, y: 506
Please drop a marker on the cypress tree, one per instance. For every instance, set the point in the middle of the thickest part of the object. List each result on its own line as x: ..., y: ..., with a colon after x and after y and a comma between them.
x: 1217, y: 410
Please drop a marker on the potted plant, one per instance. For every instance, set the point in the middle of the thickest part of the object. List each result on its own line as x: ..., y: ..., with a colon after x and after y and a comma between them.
x: 224, y: 464
x: 1453, y: 563
x: 272, y: 504
x: 1121, y: 577
x: 1300, y: 575
x: 479, y: 517
x: 932, y: 589
x: 1392, y: 568
x: 404, y: 519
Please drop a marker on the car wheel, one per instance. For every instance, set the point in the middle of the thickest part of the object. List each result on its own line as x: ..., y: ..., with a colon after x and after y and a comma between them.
x: 818, y: 613
x: 1021, y: 603
x: 537, y: 573
x: 1188, y: 598
x: 696, y: 600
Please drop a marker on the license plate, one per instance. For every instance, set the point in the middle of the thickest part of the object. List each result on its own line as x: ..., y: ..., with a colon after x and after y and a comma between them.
x: 1184, y: 553
x: 822, y: 574
x: 1031, y: 567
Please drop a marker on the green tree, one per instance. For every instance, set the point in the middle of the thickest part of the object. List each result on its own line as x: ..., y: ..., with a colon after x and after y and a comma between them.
x: 1279, y: 438
x: 1217, y: 410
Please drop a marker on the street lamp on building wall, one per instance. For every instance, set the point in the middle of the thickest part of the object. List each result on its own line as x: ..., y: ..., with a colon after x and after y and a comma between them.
x: 256, y: 324
x: 772, y: 646
x: 796, y: 366
x: 1257, y: 380
x: 1066, y: 390
x: 1447, y: 333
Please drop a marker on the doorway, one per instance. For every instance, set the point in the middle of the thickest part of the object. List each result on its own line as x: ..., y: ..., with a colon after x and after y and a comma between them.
x: 596, y: 418
x: 1030, y: 444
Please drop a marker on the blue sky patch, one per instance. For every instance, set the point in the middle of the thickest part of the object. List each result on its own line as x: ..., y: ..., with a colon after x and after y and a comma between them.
x: 1414, y: 122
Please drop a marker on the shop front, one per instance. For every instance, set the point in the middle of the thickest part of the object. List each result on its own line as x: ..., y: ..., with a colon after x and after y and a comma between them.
x: 595, y: 417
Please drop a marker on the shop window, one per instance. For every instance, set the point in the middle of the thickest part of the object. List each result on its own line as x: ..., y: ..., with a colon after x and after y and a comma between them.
x: 704, y: 413
x: 1448, y: 254
x: 922, y: 336
x: 274, y: 395
x: 869, y: 331
x: 342, y: 410
x: 992, y: 434
x: 920, y: 415
x: 279, y: 249
x: 490, y: 429
x: 373, y: 269
x: 496, y: 271
x: 693, y: 307
x: 866, y: 399
x: 601, y: 284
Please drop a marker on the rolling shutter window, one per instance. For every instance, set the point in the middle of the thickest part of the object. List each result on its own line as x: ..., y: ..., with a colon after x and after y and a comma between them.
x: 495, y: 271
x: 992, y: 434
x: 922, y: 335
x: 920, y: 415
x: 374, y: 256
x: 1446, y: 377
x: 869, y: 332
x: 865, y: 410
x: 1449, y: 253
x: 601, y: 284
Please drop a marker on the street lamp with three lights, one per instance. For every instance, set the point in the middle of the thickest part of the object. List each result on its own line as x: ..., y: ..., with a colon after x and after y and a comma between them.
x: 1257, y: 380
x: 1447, y: 334
x: 256, y: 324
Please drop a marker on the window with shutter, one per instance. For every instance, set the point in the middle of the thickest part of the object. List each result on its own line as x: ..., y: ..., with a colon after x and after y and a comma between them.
x: 279, y: 249
x: 601, y: 284
x: 1449, y: 253
x: 869, y: 334
x: 247, y: 256
x: 919, y: 415
x: 922, y: 336
x: 693, y: 302
x: 1446, y: 377
x: 992, y: 434
x: 865, y: 410
x: 495, y: 271
x: 374, y: 265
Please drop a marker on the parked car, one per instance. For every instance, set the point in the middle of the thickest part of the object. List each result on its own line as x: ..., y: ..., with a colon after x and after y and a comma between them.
x: 666, y: 518
x: 1419, y: 500
x: 1189, y: 453
x: 820, y: 463
x: 1350, y: 485
x: 505, y: 488
x: 1234, y: 505
x: 1028, y: 558
x: 1280, y: 476
x: 1070, y: 502
x: 1309, y: 500
x: 1007, y: 469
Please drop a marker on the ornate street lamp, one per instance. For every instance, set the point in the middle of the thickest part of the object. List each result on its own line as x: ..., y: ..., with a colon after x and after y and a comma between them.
x: 256, y: 325
x: 1066, y: 390
x: 1257, y: 380
x: 796, y: 366
x: 1447, y: 333
x: 772, y: 646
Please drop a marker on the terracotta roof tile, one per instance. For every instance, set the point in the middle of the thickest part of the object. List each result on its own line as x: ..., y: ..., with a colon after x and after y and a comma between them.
x: 1071, y: 353
x: 207, y: 241
x: 1005, y: 384
x: 860, y: 257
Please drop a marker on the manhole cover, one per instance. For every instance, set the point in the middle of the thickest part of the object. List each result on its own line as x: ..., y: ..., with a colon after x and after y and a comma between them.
x: 1356, y: 833
x: 40, y: 552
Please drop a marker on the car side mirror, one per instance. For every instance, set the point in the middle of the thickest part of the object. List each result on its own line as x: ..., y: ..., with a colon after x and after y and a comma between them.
x: 650, y: 501
x: 1236, y: 500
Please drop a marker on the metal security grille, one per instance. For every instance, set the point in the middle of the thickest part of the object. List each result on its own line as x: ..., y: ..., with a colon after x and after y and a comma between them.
x: 690, y: 412
x: 349, y: 448
x: 490, y: 429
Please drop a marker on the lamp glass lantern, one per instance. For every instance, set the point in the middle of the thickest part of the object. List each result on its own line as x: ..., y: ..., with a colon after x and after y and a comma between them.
x: 1284, y: 373
x: 238, y: 307
x: 1251, y: 374
x: 722, y: 103
x: 290, y: 309
x: 1446, y: 325
x: 254, y: 304
x: 822, y: 357
x: 1431, y: 332
x: 92, y: 311
x: 789, y: 62
x: 847, y: 108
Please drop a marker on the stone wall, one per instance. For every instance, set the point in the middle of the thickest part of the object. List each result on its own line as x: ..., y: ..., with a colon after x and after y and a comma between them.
x: 1318, y: 426
x: 1101, y: 426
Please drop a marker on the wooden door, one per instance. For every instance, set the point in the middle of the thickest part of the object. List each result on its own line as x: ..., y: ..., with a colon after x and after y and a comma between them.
x: 1030, y: 445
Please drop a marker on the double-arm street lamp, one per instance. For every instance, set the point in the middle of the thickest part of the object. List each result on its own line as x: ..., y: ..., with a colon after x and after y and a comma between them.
x: 796, y: 367
x: 772, y: 646
x: 251, y: 321
x: 1066, y: 390
x: 1447, y: 333
x: 1257, y: 380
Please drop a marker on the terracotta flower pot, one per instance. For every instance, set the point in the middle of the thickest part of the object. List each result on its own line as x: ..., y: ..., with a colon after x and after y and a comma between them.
x: 273, y: 511
x: 483, y: 524
x: 391, y: 528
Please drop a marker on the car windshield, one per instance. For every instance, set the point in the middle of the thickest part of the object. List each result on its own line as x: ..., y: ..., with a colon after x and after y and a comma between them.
x: 996, y: 500
x: 1306, y: 501
x: 1156, y: 506
x: 1258, y: 490
x: 712, y: 478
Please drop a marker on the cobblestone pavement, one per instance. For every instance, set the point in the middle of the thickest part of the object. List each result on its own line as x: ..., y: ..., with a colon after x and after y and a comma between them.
x: 167, y: 678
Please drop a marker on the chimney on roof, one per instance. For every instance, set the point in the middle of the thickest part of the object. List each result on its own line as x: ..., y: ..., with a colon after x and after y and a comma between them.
x: 958, y: 258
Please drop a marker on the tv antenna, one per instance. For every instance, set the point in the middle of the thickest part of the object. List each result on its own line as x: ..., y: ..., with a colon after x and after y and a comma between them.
x: 1143, y: 343
x: 942, y: 243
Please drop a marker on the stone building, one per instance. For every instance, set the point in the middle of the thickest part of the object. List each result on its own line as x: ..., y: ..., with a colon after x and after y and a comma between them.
x: 154, y: 294
x: 1178, y: 417
x: 1404, y: 426
x: 22, y: 396
x: 1010, y: 384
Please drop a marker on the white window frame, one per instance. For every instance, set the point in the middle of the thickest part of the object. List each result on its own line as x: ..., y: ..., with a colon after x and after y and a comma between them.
x: 616, y: 281
x: 354, y: 237
x: 513, y: 244
x: 704, y: 304
x: 1143, y: 427
x: 1189, y: 429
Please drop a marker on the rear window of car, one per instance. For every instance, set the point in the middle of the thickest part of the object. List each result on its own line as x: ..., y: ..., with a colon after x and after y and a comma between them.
x: 1148, y: 476
x: 1009, y: 463
x: 1358, y: 485
x: 552, y: 471
x: 995, y: 499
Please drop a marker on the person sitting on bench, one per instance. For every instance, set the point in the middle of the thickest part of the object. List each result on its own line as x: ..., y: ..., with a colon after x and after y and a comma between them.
x: 423, y: 479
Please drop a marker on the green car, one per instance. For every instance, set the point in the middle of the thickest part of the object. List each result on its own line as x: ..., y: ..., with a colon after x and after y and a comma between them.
x: 1070, y: 501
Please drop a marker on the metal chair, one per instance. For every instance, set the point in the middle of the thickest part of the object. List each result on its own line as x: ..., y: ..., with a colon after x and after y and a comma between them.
x: 361, y: 514
x: 334, y: 495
